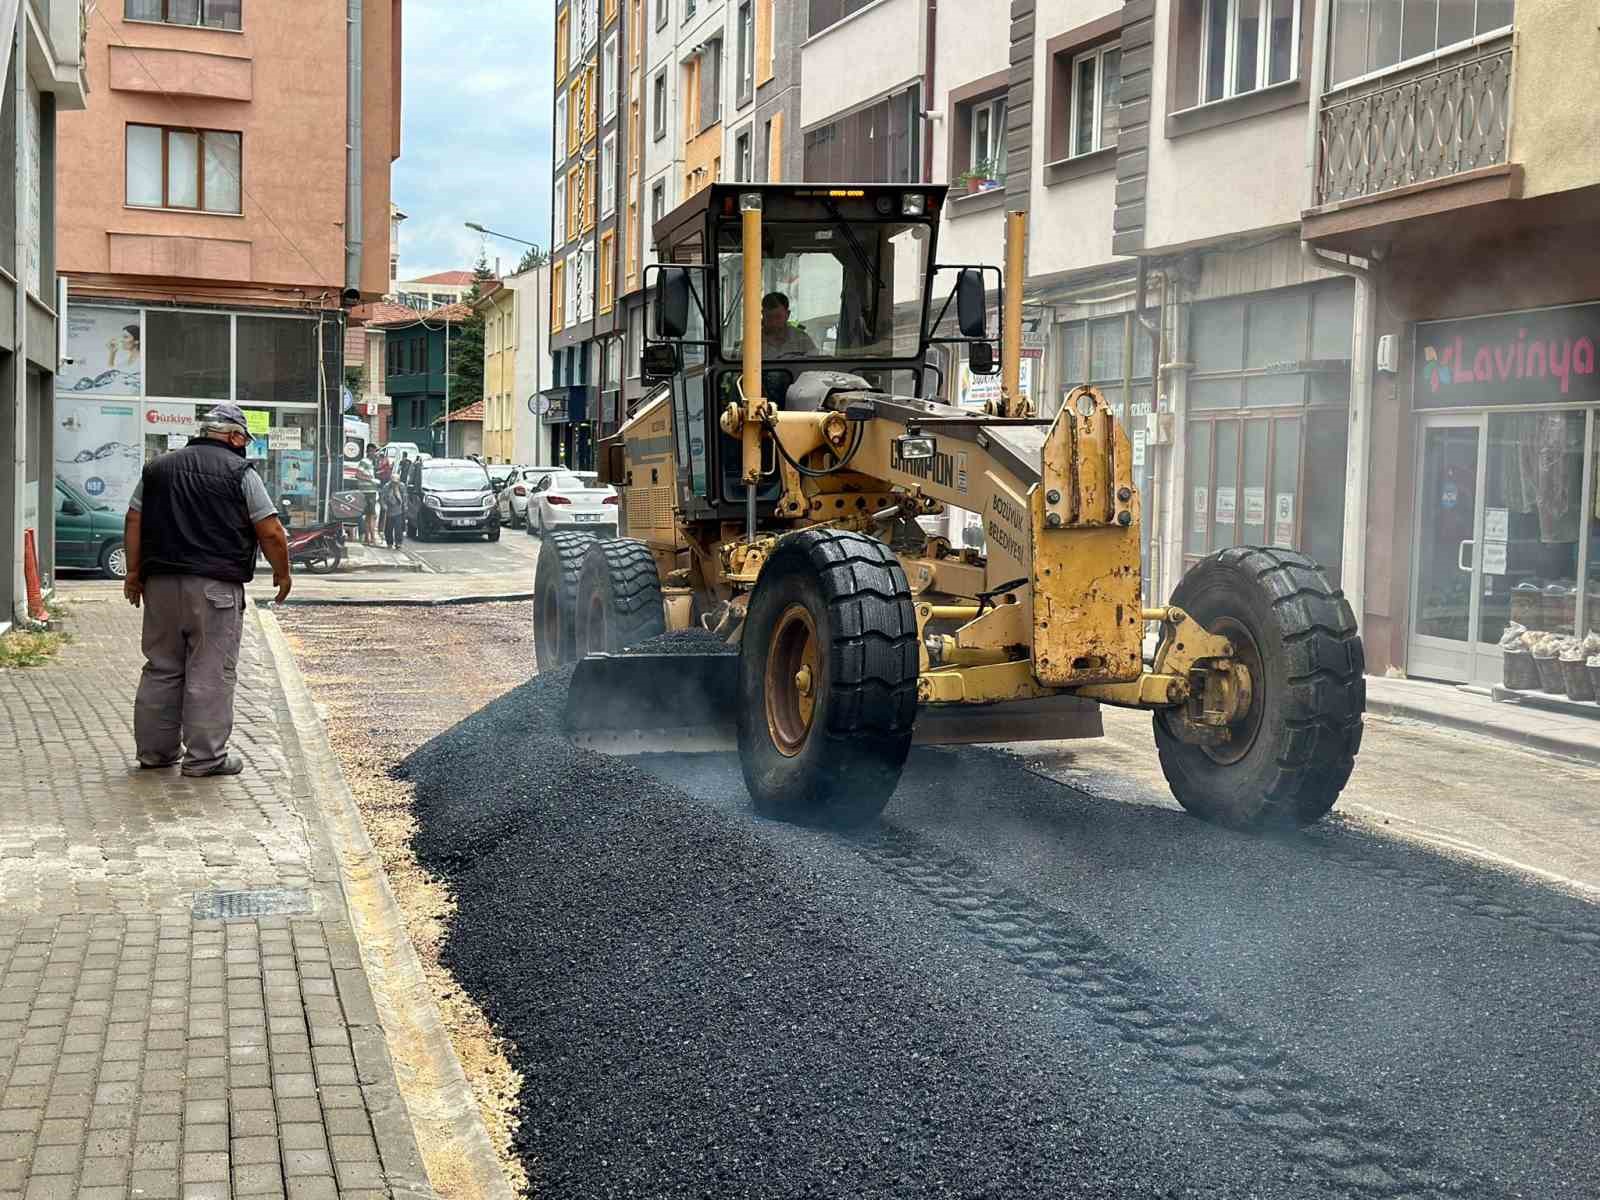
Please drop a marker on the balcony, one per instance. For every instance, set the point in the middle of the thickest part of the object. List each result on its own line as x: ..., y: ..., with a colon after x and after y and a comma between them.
x: 1449, y: 117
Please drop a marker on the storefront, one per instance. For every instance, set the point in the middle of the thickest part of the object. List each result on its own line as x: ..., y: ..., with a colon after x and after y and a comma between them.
x: 565, y: 422
x: 137, y: 379
x: 1507, y: 409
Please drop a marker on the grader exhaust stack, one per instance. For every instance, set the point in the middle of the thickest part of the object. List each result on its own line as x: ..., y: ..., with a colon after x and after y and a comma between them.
x: 771, y: 496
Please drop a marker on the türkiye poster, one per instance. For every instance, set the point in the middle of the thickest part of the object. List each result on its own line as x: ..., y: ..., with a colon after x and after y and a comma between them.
x: 99, y: 447
x: 106, y: 352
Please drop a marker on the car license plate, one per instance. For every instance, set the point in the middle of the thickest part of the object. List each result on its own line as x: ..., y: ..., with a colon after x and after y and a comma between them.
x: 585, y: 517
x: 461, y: 521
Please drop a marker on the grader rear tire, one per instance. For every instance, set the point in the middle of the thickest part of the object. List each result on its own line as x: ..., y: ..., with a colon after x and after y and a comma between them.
x: 827, y: 680
x: 1292, y: 753
x: 619, y: 593
x: 555, y: 598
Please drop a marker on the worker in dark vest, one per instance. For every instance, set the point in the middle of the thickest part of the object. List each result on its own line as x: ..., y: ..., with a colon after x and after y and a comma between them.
x: 193, y: 527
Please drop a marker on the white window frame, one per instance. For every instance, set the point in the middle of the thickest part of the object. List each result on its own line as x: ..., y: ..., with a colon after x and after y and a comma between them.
x: 744, y: 86
x: 1405, y: 64
x: 609, y: 65
x: 1230, y: 51
x: 659, y: 101
x: 996, y: 153
x: 744, y: 156
x: 570, y: 291
x: 1074, y: 112
x: 558, y: 218
x: 560, y: 141
x: 658, y: 188
x: 608, y: 175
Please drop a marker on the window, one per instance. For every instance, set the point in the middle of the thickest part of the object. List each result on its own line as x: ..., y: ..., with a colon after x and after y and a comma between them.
x: 560, y: 148
x: 183, y: 168
x: 1096, y: 80
x: 987, y: 153
x: 608, y: 272
x: 573, y: 268
x: 558, y: 213
x: 611, y: 11
x: 688, y: 11
x: 773, y: 155
x: 211, y: 14
x: 583, y: 103
x: 663, y: 13
x: 608, y: 175
x: 276, y: 361
x: 187, y: 354
x: 658, y: 206
x: 830, y: 12
x: 1246, y: 45
x: 747, y: 52
x: 608, y: 78
x: 588, y: 25
x: 711, y: 83
x: 583, y: 283
x: 658, y: 106
x: 563, y: 33
x: 875, y: 144
x: 558, y: 301
x: 1369, y: 35
x: 741, y: 157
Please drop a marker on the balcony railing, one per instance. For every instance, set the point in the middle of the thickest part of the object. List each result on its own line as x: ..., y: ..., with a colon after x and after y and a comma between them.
x: 1445, y: 118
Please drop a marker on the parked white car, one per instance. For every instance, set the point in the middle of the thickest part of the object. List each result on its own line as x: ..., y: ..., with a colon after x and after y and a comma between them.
x: 512, y: 500
x: 572, y: 500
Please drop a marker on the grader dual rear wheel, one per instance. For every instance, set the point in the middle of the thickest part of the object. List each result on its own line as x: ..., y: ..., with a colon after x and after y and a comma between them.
x: 555, y: 597
x: 1291, y: 753
x: 827, y: 680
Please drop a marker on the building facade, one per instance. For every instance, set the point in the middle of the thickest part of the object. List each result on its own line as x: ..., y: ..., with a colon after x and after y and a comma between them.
x: 43, y: 41
x: 438, y: 290
x: 199, y: 270
x: 417, y: 348
x: 515, y: 368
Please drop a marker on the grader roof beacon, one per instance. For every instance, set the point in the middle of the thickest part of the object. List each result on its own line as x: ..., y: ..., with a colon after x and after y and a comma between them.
x: 771, y: 496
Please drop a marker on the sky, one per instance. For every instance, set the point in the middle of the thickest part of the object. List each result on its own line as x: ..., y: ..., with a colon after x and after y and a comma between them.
x: 475, y: 133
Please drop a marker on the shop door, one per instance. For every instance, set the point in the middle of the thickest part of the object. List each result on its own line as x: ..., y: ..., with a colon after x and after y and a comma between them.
x: 1446, y: 580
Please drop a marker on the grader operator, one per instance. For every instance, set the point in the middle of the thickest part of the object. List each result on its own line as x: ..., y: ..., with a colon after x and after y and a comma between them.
x: 770, y: 489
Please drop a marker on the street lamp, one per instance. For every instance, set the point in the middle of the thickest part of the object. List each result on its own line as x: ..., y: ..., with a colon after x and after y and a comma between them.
x: 537, y: 310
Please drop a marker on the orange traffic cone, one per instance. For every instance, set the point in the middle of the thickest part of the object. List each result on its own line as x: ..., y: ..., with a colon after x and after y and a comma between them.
x: 30, y: 573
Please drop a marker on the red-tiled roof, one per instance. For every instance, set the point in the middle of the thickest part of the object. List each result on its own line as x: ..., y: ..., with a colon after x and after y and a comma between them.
x: 472, y: 412
x: 381, y: 312
x: 448, y: 278
x: 449, y: 314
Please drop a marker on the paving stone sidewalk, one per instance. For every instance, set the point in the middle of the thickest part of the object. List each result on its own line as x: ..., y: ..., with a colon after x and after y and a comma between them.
x: 149, y: 1048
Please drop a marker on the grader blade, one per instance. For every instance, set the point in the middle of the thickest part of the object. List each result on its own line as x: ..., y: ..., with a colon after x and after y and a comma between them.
x: 644, y: 703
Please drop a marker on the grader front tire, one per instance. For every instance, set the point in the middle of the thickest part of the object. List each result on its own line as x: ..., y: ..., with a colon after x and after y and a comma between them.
x: 555, y: 597
x: 827, y: 680
x: 619, y: 592
x: 1291, y: 754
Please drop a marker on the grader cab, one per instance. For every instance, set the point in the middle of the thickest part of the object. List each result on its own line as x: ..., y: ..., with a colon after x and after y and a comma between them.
x: 771, y: 488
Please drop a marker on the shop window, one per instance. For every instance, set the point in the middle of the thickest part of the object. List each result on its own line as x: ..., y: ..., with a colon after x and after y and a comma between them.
x: 1371, y: 35
x: 187, y: 354
x: 277, y: 361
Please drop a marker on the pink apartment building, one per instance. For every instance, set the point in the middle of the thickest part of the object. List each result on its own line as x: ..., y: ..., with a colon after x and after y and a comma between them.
x: 222, y: 204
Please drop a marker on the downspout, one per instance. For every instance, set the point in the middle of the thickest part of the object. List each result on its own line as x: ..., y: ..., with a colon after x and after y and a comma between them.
x: 19, y: 358
x: 1358, y: 453
x: 1156, y: 593
x: 353, y: 198
x: 932, y: 39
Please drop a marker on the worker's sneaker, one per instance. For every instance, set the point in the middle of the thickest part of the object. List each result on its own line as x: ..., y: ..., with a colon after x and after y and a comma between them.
x: 231, y: 764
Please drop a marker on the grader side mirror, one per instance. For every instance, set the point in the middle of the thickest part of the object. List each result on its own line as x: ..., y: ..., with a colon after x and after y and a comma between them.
x: 971, y: 307
x: 672, y: 303
x: 659, y: 361
x: 980, y: 358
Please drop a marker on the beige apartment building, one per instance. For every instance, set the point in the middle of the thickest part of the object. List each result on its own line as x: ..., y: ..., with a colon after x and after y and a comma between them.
x: 223, y: 203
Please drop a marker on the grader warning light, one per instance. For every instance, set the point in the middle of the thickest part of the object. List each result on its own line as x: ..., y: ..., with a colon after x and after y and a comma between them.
x: 772, y: 492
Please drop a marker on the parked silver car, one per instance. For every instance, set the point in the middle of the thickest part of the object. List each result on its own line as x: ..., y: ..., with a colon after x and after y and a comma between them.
x: 572, y: 500
x: 512, y: 497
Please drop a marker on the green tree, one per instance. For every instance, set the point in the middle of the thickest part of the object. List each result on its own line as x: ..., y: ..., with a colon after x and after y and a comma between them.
x: 466, y: 343
x: 532, y: 257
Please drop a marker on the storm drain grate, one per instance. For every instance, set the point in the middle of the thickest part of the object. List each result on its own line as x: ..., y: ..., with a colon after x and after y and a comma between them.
x: 256, y: 902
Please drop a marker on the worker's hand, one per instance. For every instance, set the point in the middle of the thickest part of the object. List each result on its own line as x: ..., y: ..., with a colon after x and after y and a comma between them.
x: 283, y: 582
x: 133, y: 589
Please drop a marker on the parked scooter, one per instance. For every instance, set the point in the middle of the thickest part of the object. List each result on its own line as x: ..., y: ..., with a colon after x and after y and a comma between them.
x: 319, y: 547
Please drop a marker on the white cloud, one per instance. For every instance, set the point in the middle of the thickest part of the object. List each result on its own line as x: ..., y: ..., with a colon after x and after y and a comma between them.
x: 475, y: 142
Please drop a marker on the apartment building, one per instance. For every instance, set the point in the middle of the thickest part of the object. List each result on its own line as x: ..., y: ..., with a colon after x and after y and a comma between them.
x: 439, y: 290
x: 200, y: 269
x: 42, y: 59
x: 515, y: 368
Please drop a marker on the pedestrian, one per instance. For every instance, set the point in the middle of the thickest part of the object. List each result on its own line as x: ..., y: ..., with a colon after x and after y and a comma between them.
x: 385, y: 469
x: 195, y: 523
x: 405, y: 466
x: 369, y: 517
x: 393, y: 500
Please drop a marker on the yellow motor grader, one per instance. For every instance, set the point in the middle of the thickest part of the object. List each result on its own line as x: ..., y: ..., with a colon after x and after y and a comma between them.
x: 772, y: 486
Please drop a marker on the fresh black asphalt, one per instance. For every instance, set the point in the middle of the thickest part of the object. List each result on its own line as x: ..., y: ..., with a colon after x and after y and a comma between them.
x: 1008, y: 989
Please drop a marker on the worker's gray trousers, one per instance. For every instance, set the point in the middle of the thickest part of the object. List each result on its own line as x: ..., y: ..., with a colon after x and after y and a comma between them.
x: 191, y: 650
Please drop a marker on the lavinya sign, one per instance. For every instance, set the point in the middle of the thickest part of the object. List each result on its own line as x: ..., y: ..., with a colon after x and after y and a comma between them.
x: 1546, y: 356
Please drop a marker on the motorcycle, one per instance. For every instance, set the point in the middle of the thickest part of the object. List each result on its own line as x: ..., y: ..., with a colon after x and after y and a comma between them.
x: 319, y: 547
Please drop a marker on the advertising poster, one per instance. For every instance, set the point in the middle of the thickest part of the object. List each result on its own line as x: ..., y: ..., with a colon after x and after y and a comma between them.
x: 1202, y: 510
x: 99, y: 447
x: 296, y: 473
x: 1255, y: 506
x: 1283, y: 521
x: 284, y: 437
x: 976, y: 390
x: 170, y: 418
x: 258, y: 421
x: 1227, y: 506
x: 104, y: 345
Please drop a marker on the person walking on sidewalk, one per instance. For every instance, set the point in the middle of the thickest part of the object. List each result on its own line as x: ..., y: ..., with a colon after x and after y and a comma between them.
x: 393, y: 500
x: 194, y: 524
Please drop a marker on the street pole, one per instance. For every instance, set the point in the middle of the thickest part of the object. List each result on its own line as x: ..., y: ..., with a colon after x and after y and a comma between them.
x: 447, y: 387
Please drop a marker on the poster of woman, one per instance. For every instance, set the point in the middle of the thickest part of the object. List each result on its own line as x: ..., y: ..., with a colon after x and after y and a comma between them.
x: 107, y: 352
